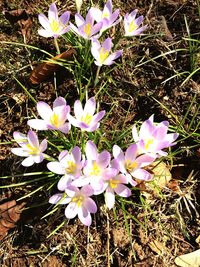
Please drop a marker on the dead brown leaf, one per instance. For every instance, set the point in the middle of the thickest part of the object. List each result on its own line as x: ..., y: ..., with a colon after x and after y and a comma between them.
x: 43, y: 71
x: 10, y: 214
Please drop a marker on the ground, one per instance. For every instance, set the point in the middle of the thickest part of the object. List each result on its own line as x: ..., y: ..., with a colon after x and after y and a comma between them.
x: 158, y: 74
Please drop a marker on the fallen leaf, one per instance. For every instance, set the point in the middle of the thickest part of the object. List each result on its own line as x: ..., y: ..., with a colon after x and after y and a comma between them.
x: 10, y: 213
x: 167, y: 34
x: 162, y: 174
x: 44, y: 71
x: 158, y: 247
x: 189, y: 260
x: 14, y: 16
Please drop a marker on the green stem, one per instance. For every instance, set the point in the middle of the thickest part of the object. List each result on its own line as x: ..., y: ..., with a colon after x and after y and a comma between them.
x: 57, y: 46
x: 97, y: 75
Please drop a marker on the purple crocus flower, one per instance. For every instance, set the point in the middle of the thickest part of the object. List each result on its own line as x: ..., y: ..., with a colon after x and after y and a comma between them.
x: 132, y: 25
x: 96, y: 168
x: 130, y: 164
x: 85, y: 118
x: 79, y: 203
x: 52, y: 119
x: 102, y: 52
x: 114, y: 184
x: 29, y: 148
x: 153, y: 138
x: 53, y: 26
x: 69, y: 165
x: 106, y: 16
x: 86, y: 28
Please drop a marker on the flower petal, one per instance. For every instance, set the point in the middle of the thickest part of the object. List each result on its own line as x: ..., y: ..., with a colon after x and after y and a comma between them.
x: 27, y: 162
x: 53, y: 12
x: 84, y: 216
x: 71, y: 210
x: 123, y: 190
x: 90, y: 205
x: 33, y: 139
x: 56, y: 167
x: 109, y: 198
x: 37, y: 124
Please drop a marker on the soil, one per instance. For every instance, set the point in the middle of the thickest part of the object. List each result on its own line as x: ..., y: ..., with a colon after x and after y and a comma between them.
x: 134, y: 235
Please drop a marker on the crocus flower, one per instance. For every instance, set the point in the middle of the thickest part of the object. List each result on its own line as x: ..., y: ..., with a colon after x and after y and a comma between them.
x: 114, y: 184
x: 79, y: 203
x: 52, y: 119
x: 29, y: 148
x: 53, y: 26
x: 102, y: 53
x: 106, y: 16
x: 96, y: 168
x: 69, y: 165
x: 132, y: 25
x: 153, y: 138
x: 85, y: 118
x: 86, y: 28
x: 130, y: 164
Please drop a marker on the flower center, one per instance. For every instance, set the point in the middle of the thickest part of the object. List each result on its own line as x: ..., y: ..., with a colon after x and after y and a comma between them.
x: 78, y: 200
x: 54, y: 120
x: 86, y: 119
x: 87, y: 29
x: 130, y: 166
x: 71, y: 167
x: 95, y: 170
x: 113, y: 183
x: 54, y: 25
x: 148, y: 143
x: 103, y: 54
x: 32, y: 150
x: 132, y: 26
x: 105, y: 15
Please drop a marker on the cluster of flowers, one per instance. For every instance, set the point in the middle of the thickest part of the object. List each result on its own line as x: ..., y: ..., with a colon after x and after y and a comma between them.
x: 91, y: 28
x: 86, y: 173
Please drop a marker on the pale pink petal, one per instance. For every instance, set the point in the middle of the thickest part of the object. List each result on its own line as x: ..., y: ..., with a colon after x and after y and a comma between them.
x: 71, y: 191
x: 109, y: 198
x: 131, y: 152
x: 78, y: 109
x: 84, y: 216
x: 59, y: 101
x: 142, y: 175
x: 62, y: 155
x: 37, y: 124
x: 87, y: 190
x: 107, y: 44
x: 64, y: 18
x: 44, y: 21
x: 97, y: 117
x: 135, y: 134
x: 53, y: 12
x: 71, y: 210
x: 90, y: 205
x: 104, y: 159
x: 76, y: 152
x: 45, y: 33
x: 122, y: 190
x: 19, y: 152
x: 79, y: 20
x: 110, y: 59
x: 38, y: 158
x: 28, y: 161
x: 65, y: 128
x: 44, y: 110
x: 33, y: 139
x: 90, y: 106
x: 96, y: 13
x: 55, y: 198
x: 145, y: 160
x: 43, y: 145
x: 56, y: 167
x: 72, y: 120
x: 96, y: 28
x: 118, y: 153
x: 64, y: 182
x: 91, y: 150
x: 20, y: 138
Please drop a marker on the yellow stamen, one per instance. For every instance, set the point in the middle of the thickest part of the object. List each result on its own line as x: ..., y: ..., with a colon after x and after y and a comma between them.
x: 78, y: 200
x: 86, y: 119
x: 103, y: 54
x: 71, y: 167
x: 32, y: 150
x: 132, y: 26
x: 130, y: 166
x: 105, y: 15
x: 87, y: 29
x: 113, y: 183
x: 54, y: 25
x: 148, y: 143
x: 96, y: 170
x: 55, y: 120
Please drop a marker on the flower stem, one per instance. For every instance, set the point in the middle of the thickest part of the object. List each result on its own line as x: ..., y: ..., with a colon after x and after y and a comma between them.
x: 57, y: 46
x: 97, y: 75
